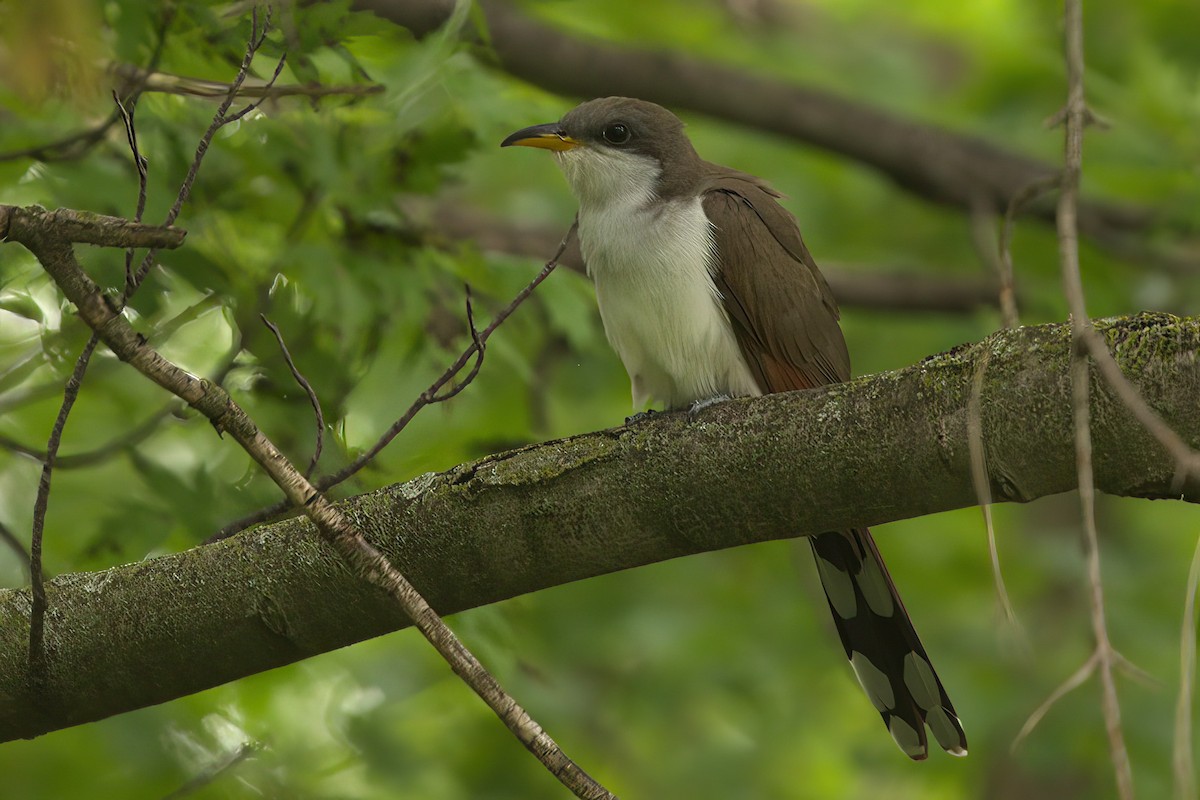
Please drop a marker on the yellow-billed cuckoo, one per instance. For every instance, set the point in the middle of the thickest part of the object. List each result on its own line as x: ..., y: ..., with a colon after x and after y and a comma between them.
x: 707, y: 290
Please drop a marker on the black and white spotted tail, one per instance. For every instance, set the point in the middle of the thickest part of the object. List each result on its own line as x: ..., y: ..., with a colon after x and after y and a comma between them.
x: 882, y: 645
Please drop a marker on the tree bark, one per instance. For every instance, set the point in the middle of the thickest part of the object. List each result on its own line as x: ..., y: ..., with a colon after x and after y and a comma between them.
x: 881, y: 448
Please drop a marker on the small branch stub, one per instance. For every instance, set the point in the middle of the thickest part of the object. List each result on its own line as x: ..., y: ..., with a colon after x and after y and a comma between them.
x: 83, y: 227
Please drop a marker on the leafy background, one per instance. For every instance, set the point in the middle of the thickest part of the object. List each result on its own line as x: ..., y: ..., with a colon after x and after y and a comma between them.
x: 716, y: 676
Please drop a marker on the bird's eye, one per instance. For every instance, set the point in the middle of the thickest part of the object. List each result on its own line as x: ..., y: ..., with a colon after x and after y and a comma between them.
x: 617, y: 133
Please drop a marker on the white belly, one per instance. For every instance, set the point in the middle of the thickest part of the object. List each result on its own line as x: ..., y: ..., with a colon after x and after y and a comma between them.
x: 661, y: 311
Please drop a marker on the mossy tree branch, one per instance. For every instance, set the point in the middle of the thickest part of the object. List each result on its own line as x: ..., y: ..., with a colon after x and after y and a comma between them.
x: 884, y: 447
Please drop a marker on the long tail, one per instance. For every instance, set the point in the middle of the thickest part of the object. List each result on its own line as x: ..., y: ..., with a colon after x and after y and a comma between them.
x: 882, y: 645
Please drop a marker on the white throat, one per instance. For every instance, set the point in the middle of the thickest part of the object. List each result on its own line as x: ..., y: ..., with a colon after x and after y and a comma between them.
x: 652, y: 263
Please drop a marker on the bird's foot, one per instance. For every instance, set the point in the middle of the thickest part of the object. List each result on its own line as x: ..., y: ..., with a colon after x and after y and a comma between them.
x: 640, y: 416
x: 700, y: 405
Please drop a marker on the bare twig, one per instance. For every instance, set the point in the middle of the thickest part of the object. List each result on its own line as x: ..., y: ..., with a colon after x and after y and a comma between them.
x: 1075, y: 116
x: 479, y: 352
x: 167, y: 83
x: 140, y: 162
x: 427, y: 397
x: 1182, y: 760
x: 1030, y: 192
x: 1066, y: 687
x: 430, y: 395
x: 983, y: 490
x: 37, y: 611
x: 313, y: 400
x: 234, y: 117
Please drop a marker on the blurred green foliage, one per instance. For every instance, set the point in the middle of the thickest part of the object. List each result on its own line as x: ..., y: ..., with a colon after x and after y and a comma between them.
x: 712, y: 677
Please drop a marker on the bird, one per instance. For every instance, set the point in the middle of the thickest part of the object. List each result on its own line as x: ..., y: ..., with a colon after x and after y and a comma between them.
x: 707, y: 291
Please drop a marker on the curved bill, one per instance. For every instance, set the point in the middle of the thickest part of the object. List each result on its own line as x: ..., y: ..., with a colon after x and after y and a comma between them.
x: 548, y: 137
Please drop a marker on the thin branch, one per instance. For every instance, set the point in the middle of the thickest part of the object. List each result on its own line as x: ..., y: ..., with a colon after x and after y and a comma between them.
x: 313, y: 400
x: 1016, y: 204
x: 479, y: 343
x: 37, y: 659
x: 981, y: 220
x: 140, y: 162
x: 983, y: 490
x: 1072, y: 683
x: 430, y: 394
x: 426, y: 397
x: 38, y: 608
x: 37, y: 611
x: 1182, y: 759
x: 1075, y: 116
x: 168, y: 83
x: 251, y: 106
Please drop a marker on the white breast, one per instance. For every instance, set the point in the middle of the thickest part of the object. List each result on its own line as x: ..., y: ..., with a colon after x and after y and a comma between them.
x: 651, y: 265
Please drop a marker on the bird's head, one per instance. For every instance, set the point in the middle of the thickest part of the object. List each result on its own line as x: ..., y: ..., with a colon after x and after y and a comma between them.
x: 617, y: 150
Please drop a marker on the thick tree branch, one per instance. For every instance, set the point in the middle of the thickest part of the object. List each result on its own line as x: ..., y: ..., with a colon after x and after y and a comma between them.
x: 937, y: 164
x: 562, y: 511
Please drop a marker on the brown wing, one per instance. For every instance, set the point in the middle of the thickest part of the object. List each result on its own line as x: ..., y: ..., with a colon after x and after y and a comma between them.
x: 786, y: 322
x: 782, y: 310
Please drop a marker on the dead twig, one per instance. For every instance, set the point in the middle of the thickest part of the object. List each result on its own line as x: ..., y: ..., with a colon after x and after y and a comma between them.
x: 479, y: 343
x: 37, y: 611
x: 1030, y: 192
x: 166, y: 83
x: 313, y: 400
x: 1072, y: 683
x: 1075, y: 115
x: 983, y: 490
